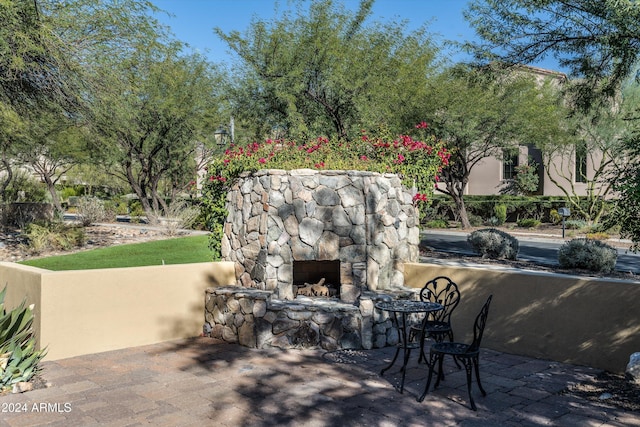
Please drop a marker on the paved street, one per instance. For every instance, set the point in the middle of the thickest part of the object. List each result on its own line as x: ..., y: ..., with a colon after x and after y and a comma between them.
x: 539, y: 249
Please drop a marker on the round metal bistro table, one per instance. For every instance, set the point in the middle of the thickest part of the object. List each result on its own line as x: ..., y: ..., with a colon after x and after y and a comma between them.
x: 405, y: 308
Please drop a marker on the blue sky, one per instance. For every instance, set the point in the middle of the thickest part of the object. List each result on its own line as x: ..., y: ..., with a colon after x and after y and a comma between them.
x: 194, y: 20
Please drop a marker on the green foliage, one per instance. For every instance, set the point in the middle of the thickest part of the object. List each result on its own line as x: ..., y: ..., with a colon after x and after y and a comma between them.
x: 67, y: 192
x: 555, y: 217
x: 309, y: 72
x: 19, y: 360
x: 54, y: 235
x: 135, y: 209
x: 474, y: 220
x: 500, y: 211
x: 626, y: 209
x: 526, y: 181
x: 528, y: 222
x: 493, y: 243
x: 538, y: 207
x: 155, y: 108
x: 479, y: 112
x: 24, y: 188
x: 575, y: 224
x: 589, y: 254
x: 592, y: 38
x: 437, y: 223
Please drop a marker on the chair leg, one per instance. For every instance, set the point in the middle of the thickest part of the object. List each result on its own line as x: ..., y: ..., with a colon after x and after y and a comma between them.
x: 468, y: 366
x: 440, y: 357
x: 476, y: 365
x: 431, y: 362
x: 423, y: 356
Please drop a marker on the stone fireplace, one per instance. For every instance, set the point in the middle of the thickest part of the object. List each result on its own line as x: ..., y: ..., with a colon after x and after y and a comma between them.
x: 364, y: 220
x: 350, y: 230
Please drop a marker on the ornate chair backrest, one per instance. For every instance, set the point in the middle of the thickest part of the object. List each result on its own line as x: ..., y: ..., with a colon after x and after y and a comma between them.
x: 478, y: 326
x: 443, y: 291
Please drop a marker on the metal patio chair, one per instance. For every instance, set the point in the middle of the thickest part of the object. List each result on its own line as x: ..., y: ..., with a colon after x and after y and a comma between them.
x: 468, y: 354
x: 436, y: 325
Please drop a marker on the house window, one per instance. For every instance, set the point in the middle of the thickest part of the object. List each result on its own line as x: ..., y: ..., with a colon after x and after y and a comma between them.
x: 509, y: 164
x: 581, y: 162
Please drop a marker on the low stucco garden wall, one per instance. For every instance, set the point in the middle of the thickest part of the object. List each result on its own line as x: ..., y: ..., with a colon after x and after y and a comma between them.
x: 579, y: 320
x: 585, y: 321
x: 90, y: 311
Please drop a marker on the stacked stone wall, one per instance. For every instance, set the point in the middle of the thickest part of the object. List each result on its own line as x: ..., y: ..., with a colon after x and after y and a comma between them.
x: 249, y: 317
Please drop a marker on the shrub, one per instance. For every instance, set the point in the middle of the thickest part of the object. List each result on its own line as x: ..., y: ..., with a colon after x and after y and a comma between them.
x: 500, y: 212
x: 437, y: 223
x: 492, y: 243
x: 493, y: 222
x: 24, y: 188
x: 528, y: 223
x: 475, y: 220
x: 19, y: 360
x: 589, y: 254
x: 90, y: 210
x: 554, y: 217
x: 178, y: 216
x: 135, y: 210
x: 575, y: 224
x: 56, y: 236
x: 600, y: 235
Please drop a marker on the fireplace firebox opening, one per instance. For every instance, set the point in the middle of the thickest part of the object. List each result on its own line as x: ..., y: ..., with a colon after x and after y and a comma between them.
x: 316, y: 278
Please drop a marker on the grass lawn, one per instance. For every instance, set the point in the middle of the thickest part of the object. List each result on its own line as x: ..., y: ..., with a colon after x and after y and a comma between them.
x: 181, y: 250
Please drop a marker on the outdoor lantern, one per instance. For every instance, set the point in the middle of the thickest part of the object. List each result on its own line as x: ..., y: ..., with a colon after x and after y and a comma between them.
x: 221, y: 136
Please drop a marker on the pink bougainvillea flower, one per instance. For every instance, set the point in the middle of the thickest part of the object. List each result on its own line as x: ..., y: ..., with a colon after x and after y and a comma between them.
x: 420, y: 197
x: 422, y: 125
x: 364, y: 158
x: 262, y: 160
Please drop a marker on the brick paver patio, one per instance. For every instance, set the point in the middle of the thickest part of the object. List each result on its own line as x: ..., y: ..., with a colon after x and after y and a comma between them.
x: 202, y: 382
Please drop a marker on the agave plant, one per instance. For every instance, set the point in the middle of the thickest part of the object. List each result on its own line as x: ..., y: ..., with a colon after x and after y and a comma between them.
x: 19, y: 359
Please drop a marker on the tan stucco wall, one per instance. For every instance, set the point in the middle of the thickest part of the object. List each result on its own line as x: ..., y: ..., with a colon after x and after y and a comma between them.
x: 584, y: 321
x: 565, y: 318
x: 88, y: 311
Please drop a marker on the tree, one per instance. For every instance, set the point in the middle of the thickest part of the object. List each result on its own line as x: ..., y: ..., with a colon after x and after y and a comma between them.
x: 325, y: 71
x: 598, y: 41
x: 587, y: 159
x: 35, y: 76
x: 480, y: 113
x: 56, y: 144
x: 626, y: 179
x: 149, y: 116
x: 48, y: 50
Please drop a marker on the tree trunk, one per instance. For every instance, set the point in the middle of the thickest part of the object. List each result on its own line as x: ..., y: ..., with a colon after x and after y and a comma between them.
x: 462, y: 210
x: 55, y: 199
x: 7, y: 180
